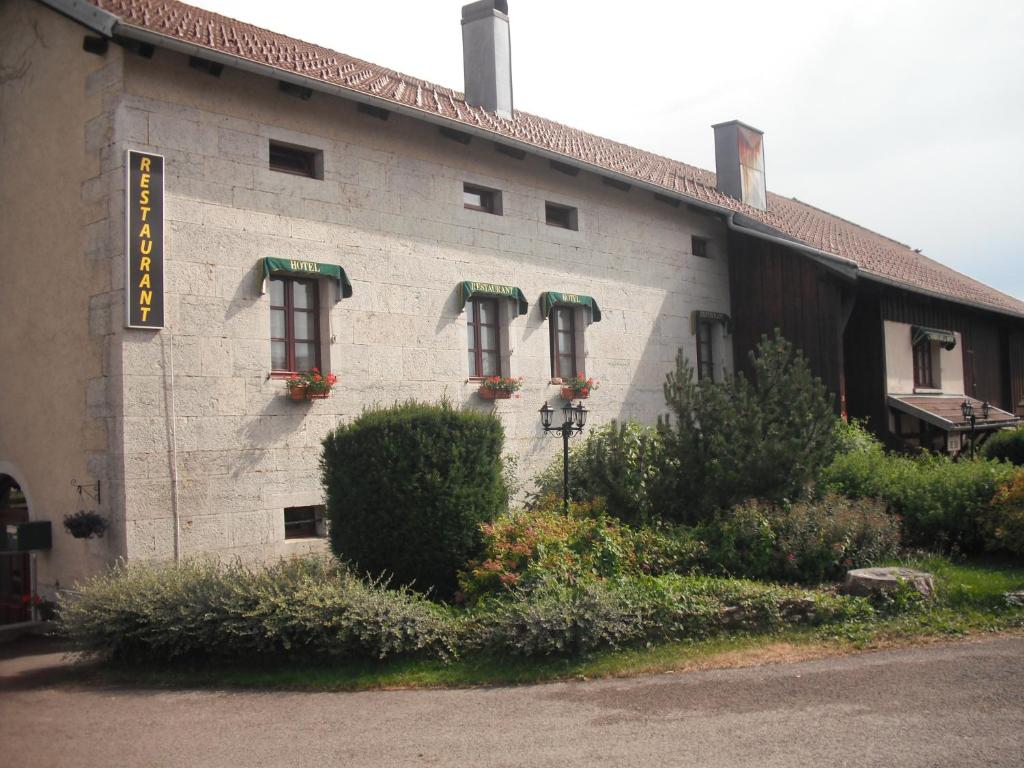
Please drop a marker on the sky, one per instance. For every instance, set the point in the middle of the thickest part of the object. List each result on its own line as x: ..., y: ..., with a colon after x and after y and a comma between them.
x: 905, y: 117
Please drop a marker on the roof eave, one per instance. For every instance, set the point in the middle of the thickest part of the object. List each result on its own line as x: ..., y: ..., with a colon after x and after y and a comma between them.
x: 872, y: 277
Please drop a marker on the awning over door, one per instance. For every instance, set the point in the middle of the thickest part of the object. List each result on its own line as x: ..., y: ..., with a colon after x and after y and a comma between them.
x: 943, y: 411
x: 299, y: 268
x: 548, y: 299
x: 944, y: 339
x: 470, y: 288
x: 715, y: 317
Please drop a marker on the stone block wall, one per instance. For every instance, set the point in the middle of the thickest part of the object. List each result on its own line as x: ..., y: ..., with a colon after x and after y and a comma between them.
x: 389, y: 210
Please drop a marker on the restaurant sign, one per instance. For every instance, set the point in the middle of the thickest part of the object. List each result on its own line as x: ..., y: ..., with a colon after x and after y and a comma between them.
x: 144, y: 249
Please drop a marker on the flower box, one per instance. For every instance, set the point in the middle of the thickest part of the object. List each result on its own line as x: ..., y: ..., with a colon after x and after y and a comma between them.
x: 493, y: 394
x: 310, y: 386
x: 568, y: 393
x: 578, y: 388
x: 297, y: 393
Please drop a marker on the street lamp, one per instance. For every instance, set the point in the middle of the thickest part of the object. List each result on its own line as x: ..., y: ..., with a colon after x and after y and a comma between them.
x: 967, y: 409
x: 574, y: 418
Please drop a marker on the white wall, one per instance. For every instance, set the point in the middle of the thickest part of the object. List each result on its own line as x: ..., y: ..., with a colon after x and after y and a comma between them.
x: 899, y: 362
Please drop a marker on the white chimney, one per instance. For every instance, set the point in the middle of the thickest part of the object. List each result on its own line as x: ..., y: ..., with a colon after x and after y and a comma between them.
x: 739, y: 163
x: 487, y: 56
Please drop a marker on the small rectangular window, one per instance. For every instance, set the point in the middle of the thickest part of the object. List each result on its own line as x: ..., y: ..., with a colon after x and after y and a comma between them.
x: 299, y: 161
x: 563, y: 216
x: 481, y: 199
x: 699, y: 247
x: 924, y: 372
x: 304, y: 522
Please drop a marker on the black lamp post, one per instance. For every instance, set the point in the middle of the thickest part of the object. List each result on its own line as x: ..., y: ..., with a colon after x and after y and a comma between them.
x: 573, y: 421
x: 967, y: 409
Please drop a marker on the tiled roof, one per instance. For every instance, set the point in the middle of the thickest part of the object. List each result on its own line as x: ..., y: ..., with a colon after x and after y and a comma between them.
x: 874, y: 254
x: 945, y: 412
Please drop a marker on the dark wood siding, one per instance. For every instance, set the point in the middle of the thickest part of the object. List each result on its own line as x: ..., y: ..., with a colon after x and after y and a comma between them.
x: 864, y: 345
x: 1016, y: 355
x: 774, y: 287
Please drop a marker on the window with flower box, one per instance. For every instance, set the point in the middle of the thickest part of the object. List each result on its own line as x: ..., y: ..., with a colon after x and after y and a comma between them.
x: 564, y: 361
x: 294, y: 324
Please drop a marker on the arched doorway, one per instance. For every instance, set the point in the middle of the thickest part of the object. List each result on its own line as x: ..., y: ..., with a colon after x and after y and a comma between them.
x: 16, y: 592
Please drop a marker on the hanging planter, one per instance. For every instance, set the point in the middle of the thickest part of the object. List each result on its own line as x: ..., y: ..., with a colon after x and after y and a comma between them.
x: 312, y: 385
x: 85, y: 525
x: 499, y: 387
x: 578, y: 388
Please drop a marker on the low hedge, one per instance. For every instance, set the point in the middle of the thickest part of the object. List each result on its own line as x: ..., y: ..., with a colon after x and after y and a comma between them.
x: 314, y: 609
x: 1006, y: 445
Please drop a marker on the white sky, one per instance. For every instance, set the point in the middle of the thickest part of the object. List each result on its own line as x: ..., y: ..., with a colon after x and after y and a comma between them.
x: 904, y: 116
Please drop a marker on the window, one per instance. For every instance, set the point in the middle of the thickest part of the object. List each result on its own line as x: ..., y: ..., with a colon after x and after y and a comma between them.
x: 705, y: 351
x: 304, y: 522
x: 699, y: 246
x: 924, y: 372
x: 294, y: 324
x: 481, y: 199
x: 563, y: 343
x: 300, y: 161
x: 563, y: 216
x: 484, y: 338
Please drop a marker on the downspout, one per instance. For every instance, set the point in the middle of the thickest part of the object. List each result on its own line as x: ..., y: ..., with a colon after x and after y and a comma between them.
x: 166, y: 340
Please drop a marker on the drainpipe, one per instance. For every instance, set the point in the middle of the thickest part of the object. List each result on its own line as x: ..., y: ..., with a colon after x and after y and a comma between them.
x: 166, y: 340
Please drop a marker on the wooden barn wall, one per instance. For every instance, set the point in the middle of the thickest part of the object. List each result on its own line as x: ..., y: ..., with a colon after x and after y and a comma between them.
x: 986, y: 339
x: 1016, y: 350
x: 774, y: 287
x: 864, y: 348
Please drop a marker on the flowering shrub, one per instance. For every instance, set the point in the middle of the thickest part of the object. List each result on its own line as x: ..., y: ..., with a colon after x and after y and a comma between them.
x: 502, y: 383
x: 523, y: 548
x: 1004, y: 520
x: 313, y: 381
x: 580, y: 386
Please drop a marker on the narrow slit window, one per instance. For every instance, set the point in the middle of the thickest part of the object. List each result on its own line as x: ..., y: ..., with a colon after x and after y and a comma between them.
x: 484, y: 338
x: 705, y: 351
x: 563, y: 216
x: 298, y: 161
x: 563, y: 343
x: 924, y: 377
x: 699, y: 247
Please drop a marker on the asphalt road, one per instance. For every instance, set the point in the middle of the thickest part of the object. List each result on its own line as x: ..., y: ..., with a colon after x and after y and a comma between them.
x: 956, y: 704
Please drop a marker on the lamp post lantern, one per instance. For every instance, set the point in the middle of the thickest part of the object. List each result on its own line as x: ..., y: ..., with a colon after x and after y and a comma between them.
x: 574, y: 418
x: 967, y: 409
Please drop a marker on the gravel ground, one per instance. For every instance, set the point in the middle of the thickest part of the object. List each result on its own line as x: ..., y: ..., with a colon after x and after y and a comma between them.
x: 953, y: 704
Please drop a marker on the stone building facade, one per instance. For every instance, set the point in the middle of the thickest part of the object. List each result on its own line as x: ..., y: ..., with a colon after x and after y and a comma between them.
x: 194, y: 443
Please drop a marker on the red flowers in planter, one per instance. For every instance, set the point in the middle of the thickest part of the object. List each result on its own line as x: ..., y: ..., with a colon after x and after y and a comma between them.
x: 311, y: 385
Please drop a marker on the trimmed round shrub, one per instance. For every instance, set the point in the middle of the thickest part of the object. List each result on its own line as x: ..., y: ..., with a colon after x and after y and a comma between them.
x: 1006, y: 445
x: 1004, y: 519
x: 407, y: 488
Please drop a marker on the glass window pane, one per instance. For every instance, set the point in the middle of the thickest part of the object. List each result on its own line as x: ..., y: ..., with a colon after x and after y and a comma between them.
x: 304, y: 295
x: 277, y: 324
x: 491, y: 365
x: 565, y: 343
x: 277, y: 291
x: 488, y: 312
x: 472, y: 364
x: 278, y: 356
x: 305, y: 358
x: 565, y: 366
x: 305, y: 326
x: 488, y: 337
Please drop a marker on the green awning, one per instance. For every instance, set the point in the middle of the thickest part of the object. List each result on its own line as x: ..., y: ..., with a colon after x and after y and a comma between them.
x: 470, y: 288
x: 305, y: 269
x: 945, y: 339
x: 714, y: 317
x: 548, y: 299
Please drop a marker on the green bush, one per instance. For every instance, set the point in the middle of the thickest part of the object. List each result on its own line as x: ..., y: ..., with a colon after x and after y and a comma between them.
x: 407, y: 488
x: 559, y: 619
x: 663, y: 548
x: 1004, y: 519
x: 767, y: 437
x: 1006, y: 445
x: 808, y: 541
x: 942, y: 502
x: 615, y: 462
x: 203, y: 610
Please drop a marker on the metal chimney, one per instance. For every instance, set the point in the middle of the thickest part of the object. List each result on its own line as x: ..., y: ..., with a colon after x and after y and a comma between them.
x: 487, y: 56
x: 739, y: 163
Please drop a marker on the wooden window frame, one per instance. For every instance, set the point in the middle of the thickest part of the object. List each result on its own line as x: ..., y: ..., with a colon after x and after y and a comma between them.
x: 289, y: 323
x: 296, y: 160
x: 701, y: 372
x: 924, y: 365
x: 490, y: 199
x: 309, y: 526
x: 474, y: 326
x: 553, y: 213
x: 699, y: 247
x: 553, y: 331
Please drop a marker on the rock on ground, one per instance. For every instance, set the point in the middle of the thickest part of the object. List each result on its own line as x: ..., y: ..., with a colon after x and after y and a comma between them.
x: 873, y: 581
